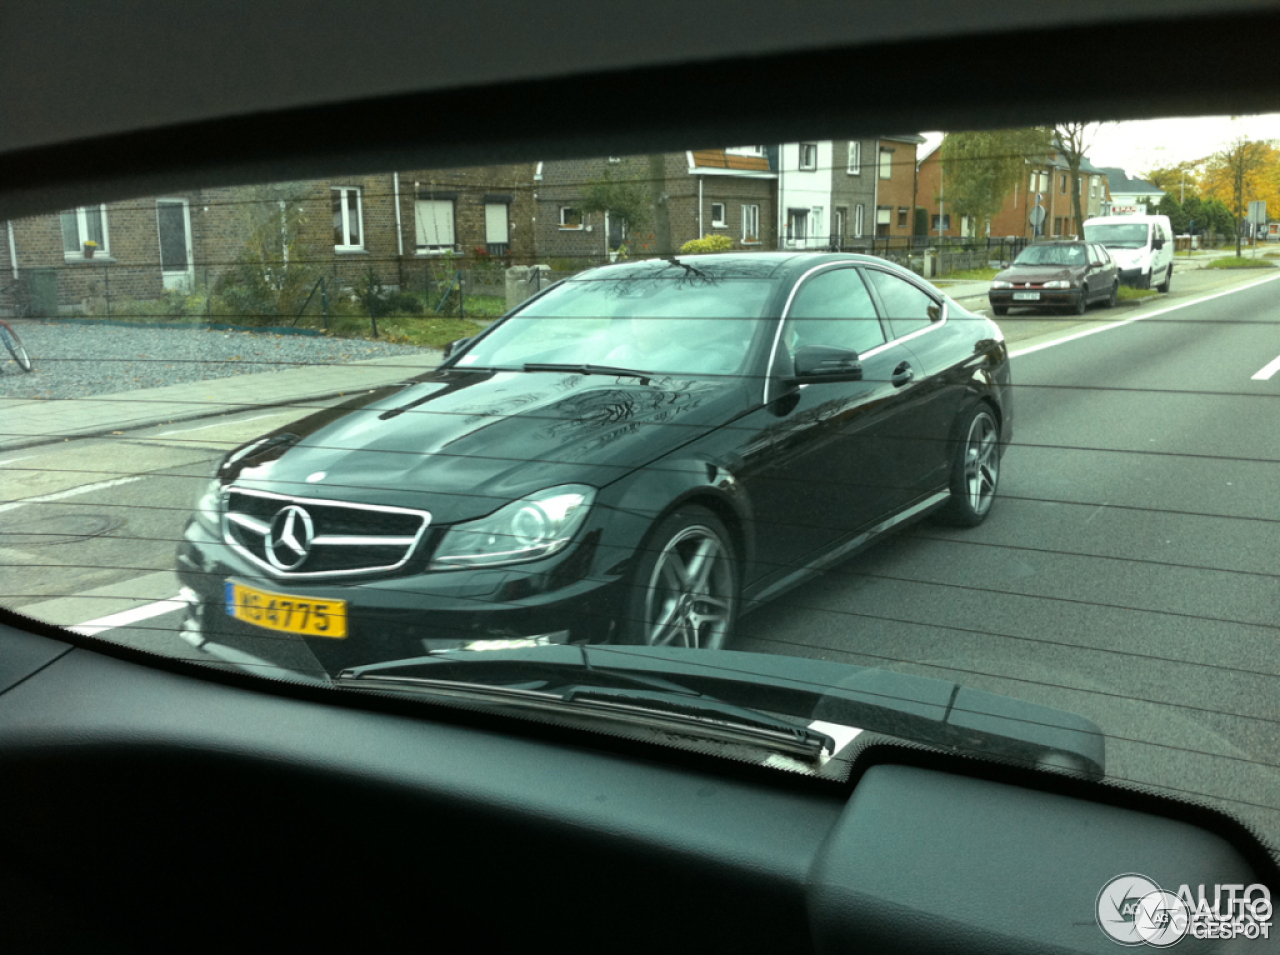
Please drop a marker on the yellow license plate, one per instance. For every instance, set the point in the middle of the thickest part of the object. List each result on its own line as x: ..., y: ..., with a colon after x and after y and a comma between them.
x: 286, y: 613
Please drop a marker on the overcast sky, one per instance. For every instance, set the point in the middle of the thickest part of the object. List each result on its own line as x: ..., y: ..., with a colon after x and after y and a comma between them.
x: 1139, y: 146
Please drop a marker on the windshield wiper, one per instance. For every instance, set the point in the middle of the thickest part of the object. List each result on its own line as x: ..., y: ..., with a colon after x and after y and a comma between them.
x: 747, y: 696
x: 644, y: 376
x: 675, y: 709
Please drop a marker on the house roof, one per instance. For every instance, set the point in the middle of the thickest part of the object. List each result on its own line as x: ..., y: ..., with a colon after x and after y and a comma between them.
x: 721, y: 159
x: 1121, y: 184
x: 904, y: 137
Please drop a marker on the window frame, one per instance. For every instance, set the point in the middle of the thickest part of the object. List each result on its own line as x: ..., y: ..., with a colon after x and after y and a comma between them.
x: 885, y: 162
x: 859, y: 220
x: 582, y: 219
x: 943, y: 312
x: 723, y: 221
x: 343, y: 206
x: 812, y: 149
x: 442, y: 249
x: 751, y: 218
x: 82, y: 232
x: 854, y: 165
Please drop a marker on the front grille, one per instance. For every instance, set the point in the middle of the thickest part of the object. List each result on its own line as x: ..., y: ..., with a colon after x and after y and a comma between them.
x: 303, y: 537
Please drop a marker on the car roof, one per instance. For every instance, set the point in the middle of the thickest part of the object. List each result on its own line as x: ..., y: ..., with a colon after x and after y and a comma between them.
x: 729, y: 265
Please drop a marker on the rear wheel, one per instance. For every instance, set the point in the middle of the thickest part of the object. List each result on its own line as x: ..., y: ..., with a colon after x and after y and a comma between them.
x: 975, y: 469
x: 15, y: 347
x: 684, y: 589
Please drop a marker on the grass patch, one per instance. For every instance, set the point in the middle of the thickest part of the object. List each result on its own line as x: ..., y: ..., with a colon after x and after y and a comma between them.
x: 969, y: 275
x: 421, y: 330
x: 1128, y: 294
x: 1231, y: 262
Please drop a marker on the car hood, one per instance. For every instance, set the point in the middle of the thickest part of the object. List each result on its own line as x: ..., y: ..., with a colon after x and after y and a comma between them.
x: 1038, y: 274
x: 461, y: 443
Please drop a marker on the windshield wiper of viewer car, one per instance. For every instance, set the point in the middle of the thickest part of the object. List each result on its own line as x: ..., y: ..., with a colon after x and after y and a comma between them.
x: 644, y: 376
x: 749, y: 698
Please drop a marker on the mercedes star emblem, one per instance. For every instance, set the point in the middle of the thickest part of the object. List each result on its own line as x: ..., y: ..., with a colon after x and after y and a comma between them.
x: 289, y: 537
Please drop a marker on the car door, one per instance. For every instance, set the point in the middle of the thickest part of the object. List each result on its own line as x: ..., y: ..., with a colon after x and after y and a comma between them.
x: 816, y: 462
x: 931, y: 353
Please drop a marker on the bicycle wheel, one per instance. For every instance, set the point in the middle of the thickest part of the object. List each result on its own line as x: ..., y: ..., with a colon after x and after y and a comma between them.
x: 16, y: 349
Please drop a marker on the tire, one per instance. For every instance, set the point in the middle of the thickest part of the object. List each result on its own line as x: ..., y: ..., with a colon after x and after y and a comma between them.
x: 15, y: 347
x: 975, y: 468
x: 1114, y: 296
x: 669, y: 602
x: 1168, y: 281
x: 999, y: 310
x: 1082, y: 302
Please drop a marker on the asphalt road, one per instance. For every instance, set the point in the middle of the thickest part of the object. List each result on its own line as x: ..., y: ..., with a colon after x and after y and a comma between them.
x: 1130, y: 571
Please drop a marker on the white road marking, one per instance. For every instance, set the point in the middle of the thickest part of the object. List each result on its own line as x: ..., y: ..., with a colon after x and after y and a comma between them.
x: 15, y: 460
x: 1138, y: 318
x: 70, y: 492
x: 125, y: 617
x: 219, y: 424
x: 1268, y: 370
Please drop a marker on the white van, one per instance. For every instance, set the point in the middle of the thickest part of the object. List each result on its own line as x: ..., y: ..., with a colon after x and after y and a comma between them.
x: 1142, y: 247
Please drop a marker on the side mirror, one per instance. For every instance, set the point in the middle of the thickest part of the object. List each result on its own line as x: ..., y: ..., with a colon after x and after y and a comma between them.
x: 1157, y: 243
x: 455, y: 346
x: 819, y: 363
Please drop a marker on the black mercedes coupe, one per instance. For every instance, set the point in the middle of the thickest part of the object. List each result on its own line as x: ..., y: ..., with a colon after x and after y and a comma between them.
x: 638, y: 454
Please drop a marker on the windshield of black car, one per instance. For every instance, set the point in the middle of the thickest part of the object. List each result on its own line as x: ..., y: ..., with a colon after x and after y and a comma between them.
x: 1060, y: 255
x: 1118, y: 236
x: 683, y: 324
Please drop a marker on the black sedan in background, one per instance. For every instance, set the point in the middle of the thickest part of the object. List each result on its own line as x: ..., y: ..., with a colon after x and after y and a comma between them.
x: 1070, y: 275
x: 636, y: 455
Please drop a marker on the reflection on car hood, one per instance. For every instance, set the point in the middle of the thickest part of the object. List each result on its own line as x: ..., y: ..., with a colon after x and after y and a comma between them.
x: 462, y: 443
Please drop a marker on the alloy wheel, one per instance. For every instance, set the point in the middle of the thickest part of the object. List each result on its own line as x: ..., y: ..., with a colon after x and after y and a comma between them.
x: 689, y: 602
x: 981, y: 463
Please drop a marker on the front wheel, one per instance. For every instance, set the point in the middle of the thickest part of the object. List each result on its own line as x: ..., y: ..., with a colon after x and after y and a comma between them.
x: 1114, y: 296
x: 1082, y: 302
x: 1168, y: 281
x: 975, y: 469
x: 15, y: 347
x: 683, y: 591
x: 999, y: 310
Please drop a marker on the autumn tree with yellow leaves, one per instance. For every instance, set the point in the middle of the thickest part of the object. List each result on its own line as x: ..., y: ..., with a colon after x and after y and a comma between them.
x: 1245, y: 171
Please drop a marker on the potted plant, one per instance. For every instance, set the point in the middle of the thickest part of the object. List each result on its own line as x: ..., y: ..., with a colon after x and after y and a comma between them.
x: 90, y: 247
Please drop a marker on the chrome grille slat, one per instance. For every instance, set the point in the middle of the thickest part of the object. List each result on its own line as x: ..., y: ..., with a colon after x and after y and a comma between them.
x: 346, y: 542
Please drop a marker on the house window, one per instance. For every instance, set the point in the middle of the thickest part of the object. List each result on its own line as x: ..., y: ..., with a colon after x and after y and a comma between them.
x: 1093, y: 187
x: 348, y: 221
x: 808, y: 155
x: 883, y: 216
x: 941, y: 222
x: 435, y: 225
x: 745, y: 151
x: 86, y: 224
x: 1062, y: 186
x: 497, y: 228
x: 750, y: 224
x: 886, y: 163
x: 717, y: 215
x: 570, y: 218
x: 815, y: 222
x: 841, y: 216
x: 1057, y: 225
x: 902, y: 217
x: 855, y: 159
x: 858, y: 220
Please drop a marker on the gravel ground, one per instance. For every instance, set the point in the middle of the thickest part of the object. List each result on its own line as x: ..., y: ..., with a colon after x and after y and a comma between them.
x: 75, y: 361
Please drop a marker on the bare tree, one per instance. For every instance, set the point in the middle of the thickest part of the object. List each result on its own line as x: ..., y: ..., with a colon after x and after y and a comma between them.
x: 1073, y: 143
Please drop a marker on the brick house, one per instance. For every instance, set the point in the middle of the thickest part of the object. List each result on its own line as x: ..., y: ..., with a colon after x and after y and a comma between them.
x: 1048, y: 184
x: 702, y: 192
x: 853, y: 190
x: 393, y: 223
x: 895, y: 181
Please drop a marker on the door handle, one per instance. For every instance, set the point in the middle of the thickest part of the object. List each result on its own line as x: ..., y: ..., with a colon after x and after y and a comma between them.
x: 902, y: 374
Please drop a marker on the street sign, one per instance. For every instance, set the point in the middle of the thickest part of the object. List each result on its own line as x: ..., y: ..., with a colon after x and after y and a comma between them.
x: 1037, y: 216
x: 1258, y: 212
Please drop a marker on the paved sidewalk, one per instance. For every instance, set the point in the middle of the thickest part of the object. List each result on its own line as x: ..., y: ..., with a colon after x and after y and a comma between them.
x: 25, y: 422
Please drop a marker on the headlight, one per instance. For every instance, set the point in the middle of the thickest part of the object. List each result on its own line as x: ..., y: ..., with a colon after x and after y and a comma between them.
x: 209, y: 507
x: 535, y: 526
x: 1058, y: 283
x: 1002, y: 285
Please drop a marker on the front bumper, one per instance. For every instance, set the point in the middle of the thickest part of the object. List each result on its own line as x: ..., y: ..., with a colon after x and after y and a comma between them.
x: 1048, y: 298
x: 392, y: 618
x: 1135, y: 278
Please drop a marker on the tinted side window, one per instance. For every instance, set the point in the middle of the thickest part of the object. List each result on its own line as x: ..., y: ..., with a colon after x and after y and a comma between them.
x: 834, y: 308
x: 906, y: 307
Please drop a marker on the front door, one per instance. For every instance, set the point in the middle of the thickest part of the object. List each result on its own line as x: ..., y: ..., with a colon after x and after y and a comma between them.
x: 173, y: 223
